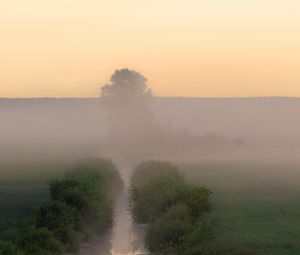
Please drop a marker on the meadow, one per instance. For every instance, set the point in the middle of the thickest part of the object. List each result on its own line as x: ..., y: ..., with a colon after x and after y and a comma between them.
x: 255, y: 204
x: 32, y: 172
x: 48, y: 212
x: 17, y: 204
x: 23, y: 187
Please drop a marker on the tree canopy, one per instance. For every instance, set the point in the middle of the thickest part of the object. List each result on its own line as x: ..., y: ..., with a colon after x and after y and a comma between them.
x: 126, y: 84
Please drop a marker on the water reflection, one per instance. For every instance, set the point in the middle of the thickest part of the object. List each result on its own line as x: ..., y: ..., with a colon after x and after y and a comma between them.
x: 125, y: 238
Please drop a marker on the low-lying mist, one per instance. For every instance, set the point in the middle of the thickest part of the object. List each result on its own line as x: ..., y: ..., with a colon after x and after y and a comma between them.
x: 129, y: 123
x: 192, y: 128
x: 245, y: 150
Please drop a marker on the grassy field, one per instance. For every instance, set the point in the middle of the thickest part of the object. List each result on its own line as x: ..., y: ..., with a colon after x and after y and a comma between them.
x: 32, y: 172
x: 255, y: 204
x: 17, y: 204
x: 23, y: 187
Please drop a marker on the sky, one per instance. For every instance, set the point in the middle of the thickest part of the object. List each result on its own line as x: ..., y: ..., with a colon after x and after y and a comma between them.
x: 197, y: 48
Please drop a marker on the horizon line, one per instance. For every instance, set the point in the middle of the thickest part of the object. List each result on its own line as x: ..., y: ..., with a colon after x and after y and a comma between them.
x: 162, y: 97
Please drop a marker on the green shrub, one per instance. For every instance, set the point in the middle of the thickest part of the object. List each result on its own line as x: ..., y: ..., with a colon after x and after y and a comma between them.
x: 80, y: 206
x: 174, y: 210
x: 161, y: 196
x: 61, y: 219
x: 9, y: 248
x: 89, y: 189
x: 167, y: 233
x: 158, y: 185
x: 156, y: 197
x: 40, y: 241
x: 150, y: 170
x: 101, y: 174
x: 197, y: 199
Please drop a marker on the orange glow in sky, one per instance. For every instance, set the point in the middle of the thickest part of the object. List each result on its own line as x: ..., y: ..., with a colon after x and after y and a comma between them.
x: 206, y: 48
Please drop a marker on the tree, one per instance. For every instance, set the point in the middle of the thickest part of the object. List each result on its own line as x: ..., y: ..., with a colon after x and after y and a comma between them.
x: 126, y: 85
x: 131, y: 123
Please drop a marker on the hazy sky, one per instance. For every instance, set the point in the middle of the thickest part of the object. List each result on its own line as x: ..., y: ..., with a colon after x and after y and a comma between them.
x: 68, y: 48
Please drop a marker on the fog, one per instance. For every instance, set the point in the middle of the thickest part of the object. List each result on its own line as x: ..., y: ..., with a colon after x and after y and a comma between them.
x: 128, y: 124
x: 33, y: 128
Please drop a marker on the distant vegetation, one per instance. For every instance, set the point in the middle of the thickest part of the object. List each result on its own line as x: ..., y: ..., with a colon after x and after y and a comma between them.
x: 255, y: 203
x: 33, y: 172
x: 80, y: 206
x: 175, y: 211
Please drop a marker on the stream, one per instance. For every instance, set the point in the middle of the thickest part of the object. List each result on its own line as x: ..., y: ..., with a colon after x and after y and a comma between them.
x: 126, y: 237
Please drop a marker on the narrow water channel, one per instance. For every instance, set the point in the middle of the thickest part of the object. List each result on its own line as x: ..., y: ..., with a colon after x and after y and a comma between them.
x: 126, y: 237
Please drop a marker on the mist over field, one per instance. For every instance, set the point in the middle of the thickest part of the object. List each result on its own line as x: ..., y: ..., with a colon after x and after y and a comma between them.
x: 235, y: 160
x: 150, y: 127
x: 229, y: 127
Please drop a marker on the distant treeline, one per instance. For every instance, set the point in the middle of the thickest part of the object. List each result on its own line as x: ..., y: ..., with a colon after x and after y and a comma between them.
x: 80, y: 206
x: 175, y: 211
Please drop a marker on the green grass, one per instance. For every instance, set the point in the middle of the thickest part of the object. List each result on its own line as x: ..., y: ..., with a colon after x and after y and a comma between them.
x: 17, y: 204
x: 23, y: 187
x: 32, y: 172
x: 255, y: 204
x: 39, y: 218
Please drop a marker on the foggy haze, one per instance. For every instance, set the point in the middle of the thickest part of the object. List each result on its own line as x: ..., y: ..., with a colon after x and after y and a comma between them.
x: 80, y: 126
x: 232, y: 143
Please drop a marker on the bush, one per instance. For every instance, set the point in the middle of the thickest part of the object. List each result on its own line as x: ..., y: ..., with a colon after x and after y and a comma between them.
x: 174, y: 208
x: 158, y: 185
x: 81, y: 205
x: 167, y: 233
x: 89, y: 189
x: 9, y: 248
x: 161, y: 196
x: 61, y: 219
x: 156, y: 197
x: 150, y: 170
x: 197, y: 199
x: 40, y: 241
